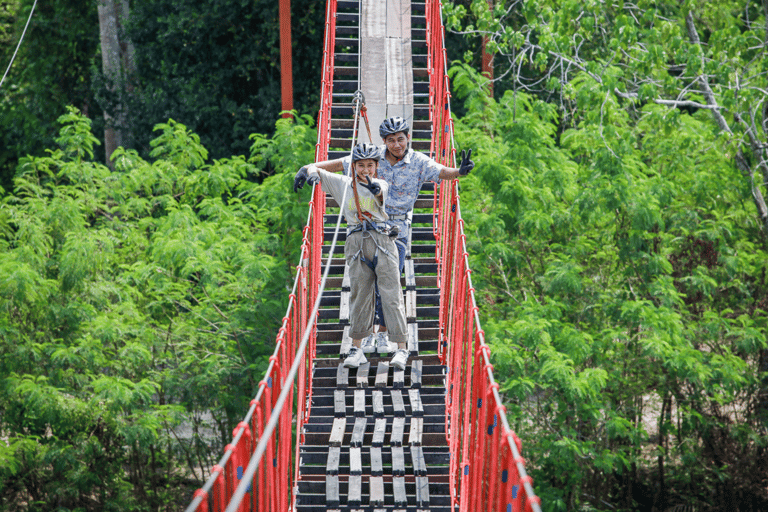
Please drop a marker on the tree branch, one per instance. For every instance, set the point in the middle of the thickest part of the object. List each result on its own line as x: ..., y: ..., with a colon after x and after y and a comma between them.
x: 741, y: 160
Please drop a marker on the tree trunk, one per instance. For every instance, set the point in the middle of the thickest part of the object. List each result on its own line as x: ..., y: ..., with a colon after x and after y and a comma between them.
x: 117, y: 59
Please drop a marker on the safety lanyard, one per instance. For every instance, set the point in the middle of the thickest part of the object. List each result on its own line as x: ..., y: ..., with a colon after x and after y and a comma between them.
x: 359, y: 100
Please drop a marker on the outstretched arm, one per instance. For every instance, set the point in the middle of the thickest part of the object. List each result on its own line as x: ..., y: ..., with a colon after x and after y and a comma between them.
x: 331, y: 165
x: 466, y: 165
x: 302, y: 177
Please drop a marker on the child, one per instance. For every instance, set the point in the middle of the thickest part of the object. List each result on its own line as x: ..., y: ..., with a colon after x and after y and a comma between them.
x: 370, y: 252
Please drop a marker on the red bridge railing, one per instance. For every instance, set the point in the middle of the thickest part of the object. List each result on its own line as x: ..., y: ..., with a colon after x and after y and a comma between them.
x: 255, y: 472
x: 266, y: 433
x: 491, y: 475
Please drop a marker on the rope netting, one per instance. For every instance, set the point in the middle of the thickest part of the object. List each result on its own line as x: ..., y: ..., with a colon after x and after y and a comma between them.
x: 487, y: 472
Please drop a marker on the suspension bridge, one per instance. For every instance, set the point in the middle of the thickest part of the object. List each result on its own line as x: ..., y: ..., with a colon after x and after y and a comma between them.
x: 435, y: 436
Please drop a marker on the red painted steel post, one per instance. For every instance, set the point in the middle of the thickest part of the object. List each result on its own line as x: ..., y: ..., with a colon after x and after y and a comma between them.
x: 286, y: 60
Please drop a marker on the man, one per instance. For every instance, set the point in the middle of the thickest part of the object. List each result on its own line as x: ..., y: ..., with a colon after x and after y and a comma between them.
x: 405, y: 171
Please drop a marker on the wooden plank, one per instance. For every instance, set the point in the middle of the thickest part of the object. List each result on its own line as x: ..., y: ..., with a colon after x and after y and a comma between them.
x: 417, y: 429
x: 377, y: 491
x: 337, y: 432
x: 359, y: 403
x: 417, y: 408
x: 377, y: 465
x: 358, y: 432
x: 346, y: 343
x: 346, y: 280
x: 398, y: 378
x: 398, y: 428
x: 417, y: 458
x: 332, y: 490
x: 342, y: 377
x: 398, y: 461
x: 355, y: 491
x: 398, y: 487
x: 344, y: 307
x: 362, y: 375
x: 410, y: 275
x: 379, y: 430
x: 410, y: 292
x: 417, y: 370
x: 382, y: 374
x: 409, y: 246
x: 413, y: 338
x: 422, y: 491
x: 397, y: 402
x: 356, y: 461
x: 378, y: 403
x: 410, y: 306
x: 332, y: 463
x: 339, y: 403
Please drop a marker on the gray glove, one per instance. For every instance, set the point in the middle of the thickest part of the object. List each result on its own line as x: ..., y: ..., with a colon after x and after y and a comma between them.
x: 303, y: 177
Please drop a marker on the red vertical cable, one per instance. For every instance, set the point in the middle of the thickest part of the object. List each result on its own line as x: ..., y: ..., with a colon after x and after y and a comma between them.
x: 230, y: 469
x: 219, y: 489
x: 286, y: 61
x: 240, y: 456
x: 260, y: 479
x: 203, y: 500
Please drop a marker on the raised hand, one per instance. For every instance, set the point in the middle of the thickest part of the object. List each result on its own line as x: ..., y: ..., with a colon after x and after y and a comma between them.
x: 375, y: 188
x: 466, y: 163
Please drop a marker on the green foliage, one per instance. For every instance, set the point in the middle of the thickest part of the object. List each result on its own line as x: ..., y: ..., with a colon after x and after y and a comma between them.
x: 624, y: 297
x: 137, y: 308
x: 52, y: 69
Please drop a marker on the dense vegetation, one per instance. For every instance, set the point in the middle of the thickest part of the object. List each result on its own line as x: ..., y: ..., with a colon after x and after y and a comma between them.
x: 615, y: 224
x: 138, y: 307
x: 618, y: 232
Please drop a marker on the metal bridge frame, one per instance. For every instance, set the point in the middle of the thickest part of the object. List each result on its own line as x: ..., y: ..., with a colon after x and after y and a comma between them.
x: 256, y: 469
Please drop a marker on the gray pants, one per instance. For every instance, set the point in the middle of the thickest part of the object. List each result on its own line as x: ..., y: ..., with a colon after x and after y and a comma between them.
x: 363, y: 244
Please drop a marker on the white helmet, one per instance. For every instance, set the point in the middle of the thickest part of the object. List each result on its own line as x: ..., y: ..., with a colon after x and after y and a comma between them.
x: 365, y: 151
x: 392, y: 125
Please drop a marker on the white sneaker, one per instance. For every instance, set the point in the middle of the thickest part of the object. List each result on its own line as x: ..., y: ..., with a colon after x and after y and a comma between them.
x: 400, y: 359
x: 355, y: 358
x: 369, y: 343
x: 382, y: 343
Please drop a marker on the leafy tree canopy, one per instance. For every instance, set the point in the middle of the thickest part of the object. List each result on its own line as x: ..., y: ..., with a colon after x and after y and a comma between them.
x: 623, y: 277
x: 213, y: 66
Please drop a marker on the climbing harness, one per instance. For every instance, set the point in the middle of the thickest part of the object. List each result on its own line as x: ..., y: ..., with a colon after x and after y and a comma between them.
x: 367, y: 229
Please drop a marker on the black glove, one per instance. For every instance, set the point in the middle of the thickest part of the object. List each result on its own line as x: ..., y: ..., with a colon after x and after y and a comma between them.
x: 466, y: 164
x: 375, y: 188
x: 303, y: 177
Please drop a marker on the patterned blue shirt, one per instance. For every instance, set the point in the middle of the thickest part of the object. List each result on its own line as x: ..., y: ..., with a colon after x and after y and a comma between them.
x: 405, y: 179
